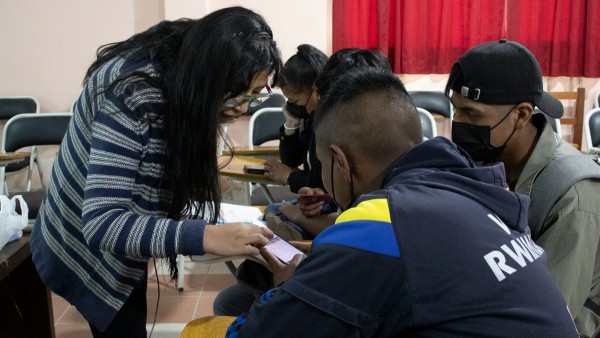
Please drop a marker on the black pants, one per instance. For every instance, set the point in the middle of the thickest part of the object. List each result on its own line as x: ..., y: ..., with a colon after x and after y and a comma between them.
x: 130, y: 321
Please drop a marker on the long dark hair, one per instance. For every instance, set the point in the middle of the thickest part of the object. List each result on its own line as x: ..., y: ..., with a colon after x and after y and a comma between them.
x: 302, y: 69
x: 201, y: 63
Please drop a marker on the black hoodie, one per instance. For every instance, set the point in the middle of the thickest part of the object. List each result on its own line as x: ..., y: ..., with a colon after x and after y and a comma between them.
x: 441, y: 250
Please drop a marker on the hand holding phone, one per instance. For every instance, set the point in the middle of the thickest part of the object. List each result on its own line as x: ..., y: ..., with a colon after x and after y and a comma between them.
x: 282, y: 249
x: 308, y: 199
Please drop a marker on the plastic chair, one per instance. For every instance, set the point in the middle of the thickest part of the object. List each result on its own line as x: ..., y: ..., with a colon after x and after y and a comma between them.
x: 28, y: 130
x: 15, y: 105
x: 433, y: 101
x: 592, y: 129
x: 597, y: 101
x: 264, y: 126
x: 427, y: 123
x: 275, y: 101
x: 11, y: 106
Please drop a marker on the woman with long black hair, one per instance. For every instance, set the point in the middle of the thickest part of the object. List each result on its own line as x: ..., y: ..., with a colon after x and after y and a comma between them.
x: 137, y: 174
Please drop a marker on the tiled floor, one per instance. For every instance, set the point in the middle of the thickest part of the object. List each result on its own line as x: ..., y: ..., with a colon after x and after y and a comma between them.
x: 202, y: 283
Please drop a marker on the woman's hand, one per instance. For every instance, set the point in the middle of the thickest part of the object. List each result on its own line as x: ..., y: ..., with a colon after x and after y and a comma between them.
x: 232, y: 239
x: 309, y: 207
x: 277, y: 171
x: 281, y: 272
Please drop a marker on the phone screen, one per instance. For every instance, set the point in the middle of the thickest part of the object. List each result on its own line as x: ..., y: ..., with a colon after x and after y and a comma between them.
x: 282, y: 249
x: 254, y: 169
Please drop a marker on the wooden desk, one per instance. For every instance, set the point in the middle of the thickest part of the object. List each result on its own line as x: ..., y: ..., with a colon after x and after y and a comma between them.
x: 25, y: 302
x: 235, y: 170
x: 256, y: 151
x: 8, y: 158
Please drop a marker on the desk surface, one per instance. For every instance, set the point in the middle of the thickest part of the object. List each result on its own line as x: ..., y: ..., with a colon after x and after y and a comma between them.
x: 253, y: 151
x: 13, y: 254
x: 235, y: 169
x: 8, y: 158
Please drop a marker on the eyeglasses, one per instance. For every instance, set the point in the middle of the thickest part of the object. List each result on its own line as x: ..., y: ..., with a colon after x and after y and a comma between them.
x: 254, y: 100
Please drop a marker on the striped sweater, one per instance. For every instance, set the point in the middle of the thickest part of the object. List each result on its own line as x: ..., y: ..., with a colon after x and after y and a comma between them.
x: 105, y: 211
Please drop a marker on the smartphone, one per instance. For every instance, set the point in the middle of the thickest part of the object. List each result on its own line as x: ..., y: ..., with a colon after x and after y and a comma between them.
x: 254, y: 169
x: 307, y: 199
x: 282, y: 249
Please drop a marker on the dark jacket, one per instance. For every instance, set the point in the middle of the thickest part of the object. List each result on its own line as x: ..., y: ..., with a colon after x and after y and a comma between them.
x: 441, y: 250
x: 300, y: 148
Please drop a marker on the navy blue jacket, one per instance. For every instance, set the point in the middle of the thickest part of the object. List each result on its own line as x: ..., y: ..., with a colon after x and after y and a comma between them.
x: 441, y: 250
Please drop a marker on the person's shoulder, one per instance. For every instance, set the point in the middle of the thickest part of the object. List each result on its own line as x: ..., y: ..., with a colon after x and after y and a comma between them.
x: 587, y: 192
x: 366, y: 226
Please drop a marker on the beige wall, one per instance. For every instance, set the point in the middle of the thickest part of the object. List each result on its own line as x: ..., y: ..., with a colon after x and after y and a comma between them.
x: 48, y: 45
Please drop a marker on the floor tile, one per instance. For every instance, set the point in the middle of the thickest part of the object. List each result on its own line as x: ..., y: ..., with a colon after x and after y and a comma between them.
x: 59, y: 307
x: 172, y: 309
x: 215, y: 283
x: 72, y: 316
x: 205, y: 306
x: 72, y: 331
x: 192, y: 286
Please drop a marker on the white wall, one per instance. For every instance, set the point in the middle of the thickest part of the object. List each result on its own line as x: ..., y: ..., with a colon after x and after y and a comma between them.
x: 293, y: 22
x: 48, y: 45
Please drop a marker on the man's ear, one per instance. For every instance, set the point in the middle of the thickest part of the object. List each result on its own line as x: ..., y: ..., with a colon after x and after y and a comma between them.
x: 341, y: 161
x: 525, y: 110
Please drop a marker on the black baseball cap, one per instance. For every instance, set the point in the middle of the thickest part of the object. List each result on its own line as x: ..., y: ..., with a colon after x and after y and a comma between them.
x: 502, y: 72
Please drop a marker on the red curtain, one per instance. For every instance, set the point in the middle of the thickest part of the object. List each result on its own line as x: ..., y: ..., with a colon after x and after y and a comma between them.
x: 556, y: 37
x: 427, y: 36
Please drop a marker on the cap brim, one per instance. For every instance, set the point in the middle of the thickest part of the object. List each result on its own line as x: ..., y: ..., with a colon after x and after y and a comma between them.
x: 550, y: 106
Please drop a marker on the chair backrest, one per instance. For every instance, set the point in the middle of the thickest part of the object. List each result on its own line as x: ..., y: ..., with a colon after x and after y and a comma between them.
x: 597, y: 101
x: 25, y: 130
x: 427, y: 123
x: 275, y: 101
x: 15, y: 105
x: 435, y: 102
x: 554, y: 123
x: 264, y: 126
x: 592, y: 128
x: 577, y: 120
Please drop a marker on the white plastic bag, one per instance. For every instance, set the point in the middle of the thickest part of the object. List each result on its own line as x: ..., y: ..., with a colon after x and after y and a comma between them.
x: 11, y: 223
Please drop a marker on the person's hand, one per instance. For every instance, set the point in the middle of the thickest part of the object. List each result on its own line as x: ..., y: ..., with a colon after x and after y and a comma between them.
x: 303, y: 246
x: 308, y: 207
x: 232, y: 239
x: 291, y: 212
x: 277, y: 171
x: 281, y: 272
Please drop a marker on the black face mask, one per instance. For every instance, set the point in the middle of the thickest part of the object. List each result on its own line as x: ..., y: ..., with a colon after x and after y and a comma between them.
x: 298, y: 111
x: 475, y: 140
x: 352, y: 198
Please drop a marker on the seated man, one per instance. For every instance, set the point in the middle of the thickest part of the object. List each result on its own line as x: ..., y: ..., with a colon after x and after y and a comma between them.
x: 428, y: 244
x: 494, y: 122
